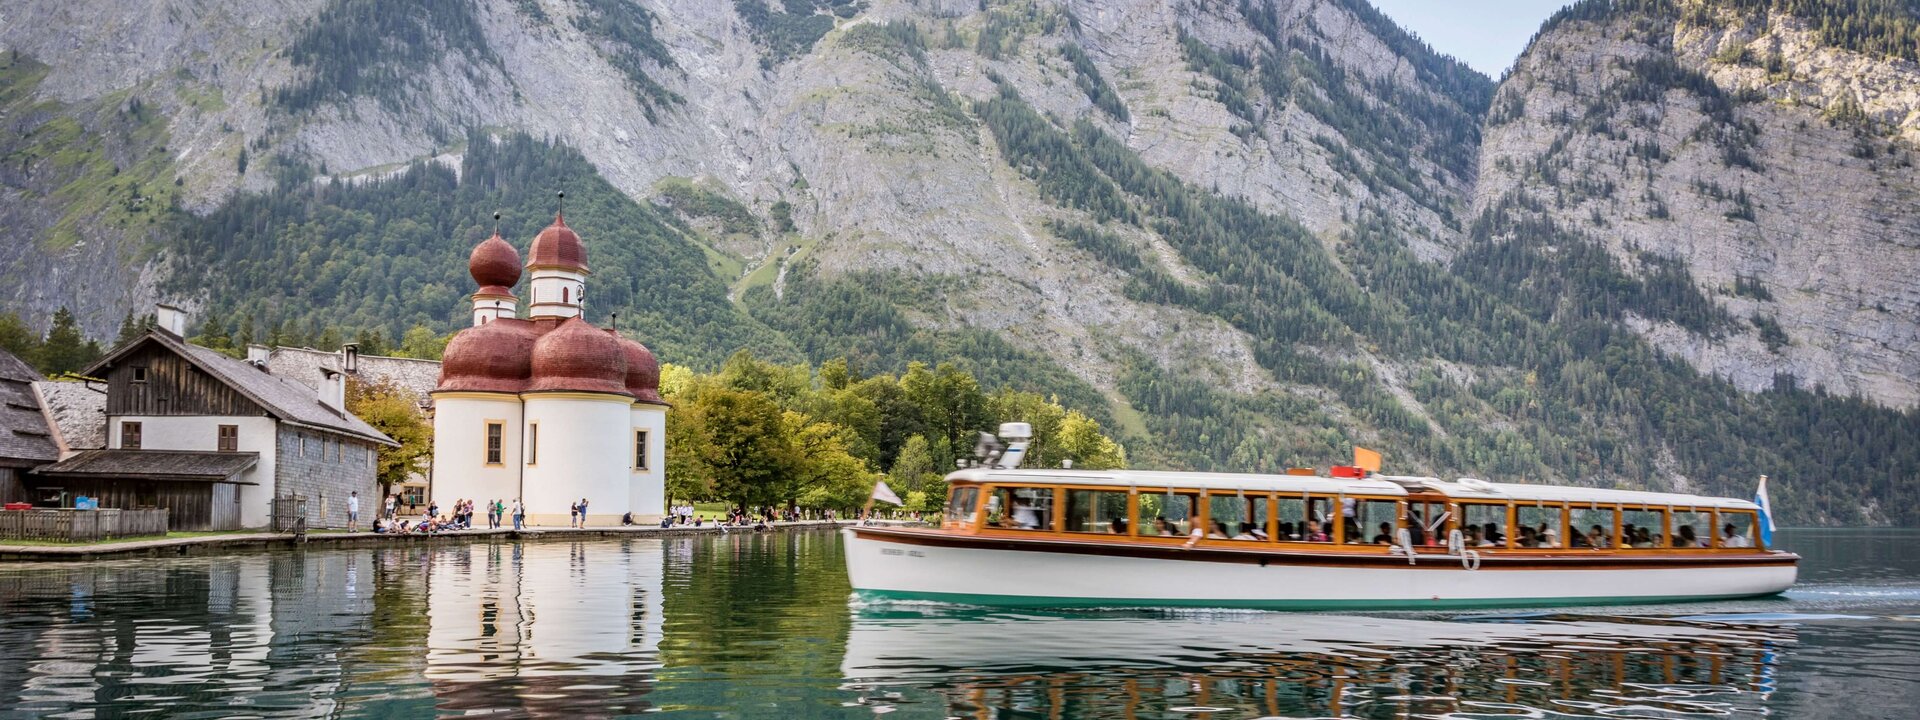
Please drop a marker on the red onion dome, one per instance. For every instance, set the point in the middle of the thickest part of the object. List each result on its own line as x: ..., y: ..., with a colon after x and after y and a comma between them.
x: 643, y: 372
x: 495, y: 357
x: 580, y: 357
x: 558, y: 247
x: 495, y: 265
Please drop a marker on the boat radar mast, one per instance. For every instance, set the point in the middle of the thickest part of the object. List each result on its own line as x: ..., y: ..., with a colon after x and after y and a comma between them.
x: 991, y: 452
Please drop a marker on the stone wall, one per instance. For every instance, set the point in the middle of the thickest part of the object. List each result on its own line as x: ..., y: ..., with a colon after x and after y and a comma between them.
x: 324, y: 468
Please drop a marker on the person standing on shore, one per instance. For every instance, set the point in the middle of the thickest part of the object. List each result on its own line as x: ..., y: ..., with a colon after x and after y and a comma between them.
x: 519, y: 514
x: 393, y: 506
x: 353, y: 511
x: 583, y: 513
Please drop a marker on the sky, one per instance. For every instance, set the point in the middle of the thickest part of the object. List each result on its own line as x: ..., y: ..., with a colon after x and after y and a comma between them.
x: 1485, y: 34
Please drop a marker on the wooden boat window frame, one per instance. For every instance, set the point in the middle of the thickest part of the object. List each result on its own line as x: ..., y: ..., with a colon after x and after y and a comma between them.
x: 1665, y: 542
x: 1133, y: 503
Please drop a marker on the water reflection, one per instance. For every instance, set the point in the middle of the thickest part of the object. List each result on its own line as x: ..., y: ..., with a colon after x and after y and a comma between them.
x: 759, y: 625
x: 984, y: 664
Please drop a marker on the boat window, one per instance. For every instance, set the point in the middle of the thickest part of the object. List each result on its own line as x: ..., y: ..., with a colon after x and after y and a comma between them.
x: 1691, y: 528
x: 1097, y: 511
x: 1486, y: 524
x: 1592, y: 527
x: 1167, y: 514
x: 1372, y: 521
x: 1538, y: 526
x: 1427, y: 522
x: 1736, y: 530
x: 1644, y: 527
x: 1304, y: 521
x: 1021, y: 508
x: 961, y: 503
x: 1238, y: 517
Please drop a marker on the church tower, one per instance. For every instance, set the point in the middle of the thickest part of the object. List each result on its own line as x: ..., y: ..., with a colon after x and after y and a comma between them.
x: 495, y: 266
x: 558, y: 263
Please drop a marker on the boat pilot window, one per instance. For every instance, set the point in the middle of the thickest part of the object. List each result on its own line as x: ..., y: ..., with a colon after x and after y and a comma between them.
x: 1736, y: 530
x: 1538, y: 526
x: 1167, y: 514
x: 229, y: 438
x: 961, y: 503
x: 1691, y: 528
x: 1428, y: 521
x: 129, y: 435
x: 1643, y: 528
x: 1097, y: 511
x: 1372, y: 522
x: 495, y: 441
x: 1021, y: 508
x: 1303, y: 520
x: 1237, y: 517
x: 1591, y: 527
x: 1486, y: 524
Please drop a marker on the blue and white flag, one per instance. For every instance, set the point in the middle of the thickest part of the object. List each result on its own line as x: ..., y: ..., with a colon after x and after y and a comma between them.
x: 1766, y: 513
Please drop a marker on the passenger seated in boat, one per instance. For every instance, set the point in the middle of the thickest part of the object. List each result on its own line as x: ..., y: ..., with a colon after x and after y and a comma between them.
x: 1162, y: 527
x: 1219, y: 531
x: 1546, y: 537
x: 1385, y: 537
x: 1246, y: 533
x: 1258, y: 533
x: 1197, y: 533
x: 1473, y: 538
x: 1314, y: 533
x: 1729, y: 537
x: 1643, y: 538
x: 1597, y: 537
x: 1119, y: 526
x: 1024, y: 514
x: 1686, y: 539
x: 1493, y: 535
x: 1576, y: 539
x: 1527, y: 538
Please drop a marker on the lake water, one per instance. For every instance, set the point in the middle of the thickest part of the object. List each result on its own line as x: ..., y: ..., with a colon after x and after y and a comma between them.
x: 761, y: 626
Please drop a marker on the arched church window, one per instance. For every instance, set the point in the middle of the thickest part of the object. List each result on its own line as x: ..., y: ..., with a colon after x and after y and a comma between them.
x: 564, y: 295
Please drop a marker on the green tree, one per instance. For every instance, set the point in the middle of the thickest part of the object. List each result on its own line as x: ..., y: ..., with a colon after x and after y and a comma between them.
x: 66, y: 349
x: 17, y: 338
x: 422, y: 342
x: 1081, y: 440
x: 395, y: 411
x: 913, y: 468
x: 743, y: 446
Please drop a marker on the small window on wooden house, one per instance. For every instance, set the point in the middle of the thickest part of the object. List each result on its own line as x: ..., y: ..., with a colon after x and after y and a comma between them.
x: 139, y: 374
x: 130, y: 436
x: 229, y: 438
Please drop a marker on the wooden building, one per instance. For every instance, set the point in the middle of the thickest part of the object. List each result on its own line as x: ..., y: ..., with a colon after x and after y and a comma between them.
x: 25, y: 439
x: 216, y: 439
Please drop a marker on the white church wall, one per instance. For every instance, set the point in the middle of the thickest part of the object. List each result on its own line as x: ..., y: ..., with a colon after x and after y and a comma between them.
x: 460, y: 467
x: 580, y: 456
x: 649, y: 485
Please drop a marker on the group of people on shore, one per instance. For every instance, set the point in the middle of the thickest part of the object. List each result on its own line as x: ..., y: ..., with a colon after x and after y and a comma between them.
x: 460, y: 517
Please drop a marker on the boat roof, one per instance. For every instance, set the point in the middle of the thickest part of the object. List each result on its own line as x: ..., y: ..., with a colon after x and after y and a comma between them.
x: 1387, y: 485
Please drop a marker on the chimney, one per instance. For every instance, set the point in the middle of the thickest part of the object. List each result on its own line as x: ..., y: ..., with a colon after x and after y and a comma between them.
x: 333, y: 390
x: 170, y: 319
x: 258, y: 354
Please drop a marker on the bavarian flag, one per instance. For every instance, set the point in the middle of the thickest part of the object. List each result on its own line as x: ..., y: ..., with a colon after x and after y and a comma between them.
x: 885, y: 494
x: 1766, y: 513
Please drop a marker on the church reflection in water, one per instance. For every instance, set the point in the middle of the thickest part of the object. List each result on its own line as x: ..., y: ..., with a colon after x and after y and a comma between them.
x: 995, y: 665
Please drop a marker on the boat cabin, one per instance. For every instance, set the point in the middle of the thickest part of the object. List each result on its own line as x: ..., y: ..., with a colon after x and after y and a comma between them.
x: 1371, y: 514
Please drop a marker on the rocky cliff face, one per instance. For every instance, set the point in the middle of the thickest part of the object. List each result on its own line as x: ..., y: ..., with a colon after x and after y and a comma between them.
x: 1779, y: 171
x: 867, y: 139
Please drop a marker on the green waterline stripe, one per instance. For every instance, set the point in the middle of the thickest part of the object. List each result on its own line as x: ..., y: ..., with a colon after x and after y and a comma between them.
x: 1029, y: 601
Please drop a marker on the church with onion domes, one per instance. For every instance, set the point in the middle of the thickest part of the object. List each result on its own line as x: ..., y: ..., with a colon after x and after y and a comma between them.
x: 551, y: 408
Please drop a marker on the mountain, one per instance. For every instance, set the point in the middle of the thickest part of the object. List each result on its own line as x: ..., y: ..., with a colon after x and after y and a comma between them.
x: 1671, y: 248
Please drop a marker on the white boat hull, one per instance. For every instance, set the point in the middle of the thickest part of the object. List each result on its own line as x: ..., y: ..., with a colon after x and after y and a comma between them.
x: 891, y: 566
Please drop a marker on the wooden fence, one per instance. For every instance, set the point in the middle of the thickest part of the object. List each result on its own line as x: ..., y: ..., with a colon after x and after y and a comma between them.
x: 80, y: 525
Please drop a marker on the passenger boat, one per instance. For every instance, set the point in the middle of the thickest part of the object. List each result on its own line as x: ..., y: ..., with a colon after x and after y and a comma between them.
x: 1345, y: 539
